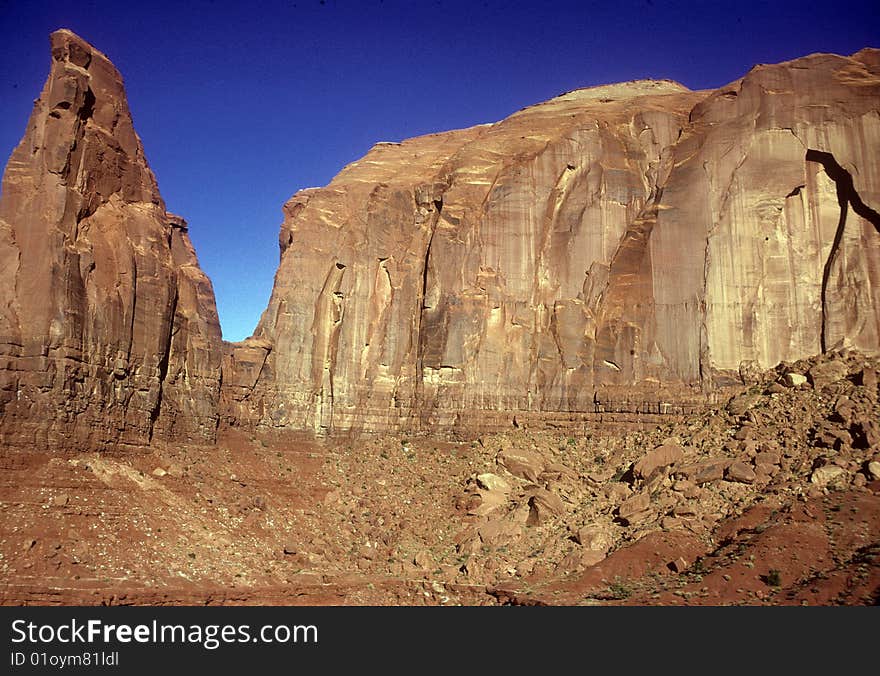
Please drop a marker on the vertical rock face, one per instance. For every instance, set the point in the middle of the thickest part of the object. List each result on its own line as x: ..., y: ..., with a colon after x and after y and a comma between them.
x: 623, y: 248
x: 108, y: 327
x: 765, y: 248
x: 463, y: 273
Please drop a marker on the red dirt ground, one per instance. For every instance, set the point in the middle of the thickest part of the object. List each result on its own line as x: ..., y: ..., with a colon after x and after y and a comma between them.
x: 772, y: 501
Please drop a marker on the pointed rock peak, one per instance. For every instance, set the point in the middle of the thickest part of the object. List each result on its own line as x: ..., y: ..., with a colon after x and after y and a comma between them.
x: 68, y: 46
x: 69, y: 49
x: 81, y: 133
x: 97, y: 280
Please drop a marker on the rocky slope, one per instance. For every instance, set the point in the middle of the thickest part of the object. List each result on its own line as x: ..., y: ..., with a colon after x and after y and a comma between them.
x: 108, y: 329
x: 616, y: 253
x: 773, y: 497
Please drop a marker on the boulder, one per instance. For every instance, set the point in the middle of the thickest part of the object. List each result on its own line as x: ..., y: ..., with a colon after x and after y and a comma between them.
x: 794, y: 379
x: 767, y: 458
x: 740, y: 472
x: 522, y: 463
x: 543, y: 506
x: 826, y: 373
x: 660, y: 457
x: 493, y: 482
x: 705, y: 471
x: 489, y: 502
x: 594, y: 538
x: 634, y: 507
x: 679, y: 565
x: 828, y: 474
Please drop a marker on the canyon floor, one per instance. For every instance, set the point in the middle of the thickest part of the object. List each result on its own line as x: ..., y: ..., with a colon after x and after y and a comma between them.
x: 772, y: 498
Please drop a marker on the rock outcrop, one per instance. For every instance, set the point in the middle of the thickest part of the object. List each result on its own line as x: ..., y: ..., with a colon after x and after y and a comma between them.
x: 623, y: 249
x: 621, y: 252
x: 108, y: 327
x: 763, y: 249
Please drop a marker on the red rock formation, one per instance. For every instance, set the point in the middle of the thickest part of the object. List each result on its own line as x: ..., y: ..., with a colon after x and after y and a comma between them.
x: 622, y: 248
x: 108, y: 328
x: 753, y: 257
x: 623, y: 251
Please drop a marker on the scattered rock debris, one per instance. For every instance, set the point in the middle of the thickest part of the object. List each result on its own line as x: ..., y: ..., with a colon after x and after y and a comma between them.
x: 772, y: 497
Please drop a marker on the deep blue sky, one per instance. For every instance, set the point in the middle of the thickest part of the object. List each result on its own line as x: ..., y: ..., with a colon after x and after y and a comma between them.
x: 240, y: 104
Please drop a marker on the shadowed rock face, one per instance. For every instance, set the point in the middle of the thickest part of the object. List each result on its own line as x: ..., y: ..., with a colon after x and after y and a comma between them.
x: 108, y: 327
x: 627, y: 248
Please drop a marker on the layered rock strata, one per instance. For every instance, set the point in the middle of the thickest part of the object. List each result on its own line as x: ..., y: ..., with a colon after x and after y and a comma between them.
x: 627, y: 249
x: 108, y: 327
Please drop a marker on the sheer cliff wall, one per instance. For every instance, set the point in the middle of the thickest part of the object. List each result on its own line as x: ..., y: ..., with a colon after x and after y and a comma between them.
x: 625, y: 249
x: 618, y: 253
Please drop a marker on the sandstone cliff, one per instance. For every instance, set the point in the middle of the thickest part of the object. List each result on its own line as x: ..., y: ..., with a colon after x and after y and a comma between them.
x: 623, y: 251
x: 763, y: 249
x: 626, y: 248
x: 108, y: 327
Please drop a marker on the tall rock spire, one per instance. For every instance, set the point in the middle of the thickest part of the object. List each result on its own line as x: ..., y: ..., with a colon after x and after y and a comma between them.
x: 108, y: 327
